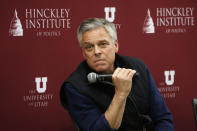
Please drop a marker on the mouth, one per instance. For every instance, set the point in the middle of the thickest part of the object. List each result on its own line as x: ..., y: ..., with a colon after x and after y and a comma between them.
x: 98, y: 61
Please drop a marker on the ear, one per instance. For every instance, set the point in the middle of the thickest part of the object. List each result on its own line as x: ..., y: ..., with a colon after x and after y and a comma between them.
x: 116, y: 46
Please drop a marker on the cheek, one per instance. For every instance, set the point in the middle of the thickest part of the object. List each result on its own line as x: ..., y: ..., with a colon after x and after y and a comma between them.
x: 110, y: 57
x: 87, y: 57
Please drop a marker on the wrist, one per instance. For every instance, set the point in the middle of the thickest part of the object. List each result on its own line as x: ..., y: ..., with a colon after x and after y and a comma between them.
x: 121, y: 95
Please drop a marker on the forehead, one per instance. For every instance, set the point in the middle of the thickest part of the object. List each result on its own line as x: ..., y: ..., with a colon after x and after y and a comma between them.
x: 96, y: 35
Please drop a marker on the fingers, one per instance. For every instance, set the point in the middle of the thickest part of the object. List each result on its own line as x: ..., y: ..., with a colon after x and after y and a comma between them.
x: 123, y: 72
x: 116, y: 72
x: 122, y: 80
x: 131, y: 73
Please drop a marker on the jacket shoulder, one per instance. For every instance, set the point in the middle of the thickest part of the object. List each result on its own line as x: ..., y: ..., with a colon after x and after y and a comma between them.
x: 134, y: 61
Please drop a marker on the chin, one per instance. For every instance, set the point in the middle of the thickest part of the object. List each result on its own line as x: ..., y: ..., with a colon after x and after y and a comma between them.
x: 100, y: 69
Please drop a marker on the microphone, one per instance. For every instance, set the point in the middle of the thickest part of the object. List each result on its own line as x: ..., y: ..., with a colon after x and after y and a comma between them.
x: 93, y: 77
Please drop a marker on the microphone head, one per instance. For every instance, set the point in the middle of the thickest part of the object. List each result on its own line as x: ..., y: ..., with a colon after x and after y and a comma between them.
x: 92, y: 77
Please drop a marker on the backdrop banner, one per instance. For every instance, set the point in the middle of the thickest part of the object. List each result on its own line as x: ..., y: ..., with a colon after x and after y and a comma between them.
x: 39, y: 50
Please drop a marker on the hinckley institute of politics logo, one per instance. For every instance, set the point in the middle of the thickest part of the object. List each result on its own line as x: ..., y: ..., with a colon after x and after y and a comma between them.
x: 38, y: 96
x: 168, y: 86
x: 169, y: 20
x: 42, y: 21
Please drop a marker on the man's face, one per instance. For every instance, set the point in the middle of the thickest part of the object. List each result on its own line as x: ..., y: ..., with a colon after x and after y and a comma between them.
x: 98, y: 50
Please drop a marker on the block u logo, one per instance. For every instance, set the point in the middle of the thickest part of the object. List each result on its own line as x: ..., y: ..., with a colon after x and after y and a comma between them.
x: 107, y: 13
x: 169, y: 81
x: 44, y: 84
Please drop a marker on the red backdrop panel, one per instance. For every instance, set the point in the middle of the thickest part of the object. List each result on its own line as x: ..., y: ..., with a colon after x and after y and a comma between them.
x: 49, y: 54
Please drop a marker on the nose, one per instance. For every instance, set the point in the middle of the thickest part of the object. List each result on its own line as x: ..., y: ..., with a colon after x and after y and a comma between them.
x: 97, y: 50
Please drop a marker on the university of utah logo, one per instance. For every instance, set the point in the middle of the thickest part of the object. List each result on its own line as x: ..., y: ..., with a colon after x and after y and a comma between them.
x: 168, y: 88
x: 169, y: 77
x: 38, y: 96
x: 38, y: 80
x: 110, y: 13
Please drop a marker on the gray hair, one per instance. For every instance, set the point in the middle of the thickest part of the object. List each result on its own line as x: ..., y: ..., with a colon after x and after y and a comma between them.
x: 93, y: 23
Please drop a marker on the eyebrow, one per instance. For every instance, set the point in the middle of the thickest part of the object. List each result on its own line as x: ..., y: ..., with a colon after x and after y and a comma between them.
x: 103, y: 41
x: 87, y: 43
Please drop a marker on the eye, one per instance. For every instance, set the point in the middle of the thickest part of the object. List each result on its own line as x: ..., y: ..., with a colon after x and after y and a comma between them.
x: 88, y: 47
x: 103, y: 44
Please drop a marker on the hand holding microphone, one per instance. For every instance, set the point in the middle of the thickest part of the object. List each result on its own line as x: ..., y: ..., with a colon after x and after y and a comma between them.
x: 93, y: 77
x: 122, y: 80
